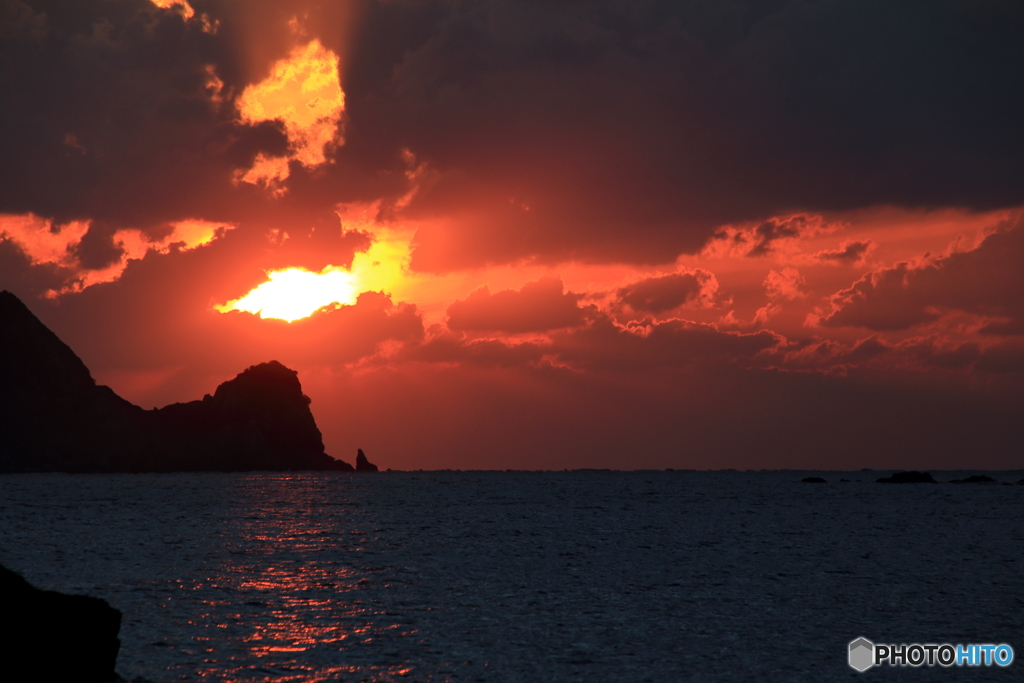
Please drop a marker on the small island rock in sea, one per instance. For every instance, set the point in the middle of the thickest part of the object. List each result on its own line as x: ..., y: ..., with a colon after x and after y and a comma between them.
x: 362, y: 464
x: 55, y: 418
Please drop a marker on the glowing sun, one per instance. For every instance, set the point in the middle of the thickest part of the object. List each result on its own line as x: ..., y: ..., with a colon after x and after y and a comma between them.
x: 295, y: 293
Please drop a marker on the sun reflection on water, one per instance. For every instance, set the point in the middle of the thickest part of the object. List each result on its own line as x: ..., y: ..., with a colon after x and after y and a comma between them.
x: 288, y: 600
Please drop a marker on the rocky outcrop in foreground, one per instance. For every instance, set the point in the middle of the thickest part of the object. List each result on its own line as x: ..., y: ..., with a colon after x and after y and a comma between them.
x: 55, y: 418
x: 52, y: 637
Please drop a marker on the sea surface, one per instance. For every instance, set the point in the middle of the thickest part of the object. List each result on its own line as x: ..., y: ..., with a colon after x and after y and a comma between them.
x: 527, y: 576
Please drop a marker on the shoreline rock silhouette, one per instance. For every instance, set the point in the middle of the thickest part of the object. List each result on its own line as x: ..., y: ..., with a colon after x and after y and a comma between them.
x: 55, y: 418
x: 54, y: 637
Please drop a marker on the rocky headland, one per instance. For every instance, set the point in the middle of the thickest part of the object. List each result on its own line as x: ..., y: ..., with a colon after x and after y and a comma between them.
x: 55, y: 418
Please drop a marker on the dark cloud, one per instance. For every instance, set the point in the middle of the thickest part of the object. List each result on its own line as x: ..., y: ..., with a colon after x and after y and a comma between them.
x: 18, y: 274
x: 631, y: 134
x: 97, y: 249
x: 766, y: 234
x: 552, y: 130
x: 665, y: 293
x: 326, y: 243
x: 450, y: 348
x: 537, y: 307
x: 984, y: 281
x: 849, y: 253
x: 605, y: 346
x: 767, y: 237
x: 922, y: 356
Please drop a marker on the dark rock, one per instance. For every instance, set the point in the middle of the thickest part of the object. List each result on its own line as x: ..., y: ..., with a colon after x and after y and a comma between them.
x: 362, y: 464
x: 975, y: 479
x: 1021, y: 482
x: 260, y: 420
x: 813, y: 480
x: 912, y: 477
x: 54, y: 417
x: 52, y: 637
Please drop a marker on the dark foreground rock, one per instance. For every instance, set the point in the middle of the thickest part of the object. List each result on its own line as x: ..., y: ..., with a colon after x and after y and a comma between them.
x: 362, y: 464
x: 813, y: 480
x: 975, y: 479
x: 52, y: 637
x: 912, y: 477
x: 55, y: 418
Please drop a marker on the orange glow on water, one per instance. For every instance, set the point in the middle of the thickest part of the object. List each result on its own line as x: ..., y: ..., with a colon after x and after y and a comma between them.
x: 303, y: 92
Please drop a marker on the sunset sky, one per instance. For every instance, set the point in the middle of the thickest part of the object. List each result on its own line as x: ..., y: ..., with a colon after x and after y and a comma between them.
x: 538, y: 235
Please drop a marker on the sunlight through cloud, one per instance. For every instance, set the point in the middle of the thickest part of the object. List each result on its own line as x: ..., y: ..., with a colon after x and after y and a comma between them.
x: 303, y: 92
x: 295, y: 293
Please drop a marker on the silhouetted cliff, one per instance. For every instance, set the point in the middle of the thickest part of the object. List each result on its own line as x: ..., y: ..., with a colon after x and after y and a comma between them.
x: 54, y: 417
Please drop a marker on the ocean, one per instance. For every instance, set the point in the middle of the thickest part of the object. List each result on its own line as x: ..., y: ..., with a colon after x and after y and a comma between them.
x: 527, y: 576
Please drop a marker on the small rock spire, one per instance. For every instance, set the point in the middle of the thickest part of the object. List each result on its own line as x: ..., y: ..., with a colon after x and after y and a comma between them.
x: 362, y: 464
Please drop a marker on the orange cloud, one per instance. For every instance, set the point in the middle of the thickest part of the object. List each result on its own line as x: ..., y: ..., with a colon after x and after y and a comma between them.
x: 42, y: 240
x: 186, y: 9
x: 983, y: 281
x: 696, y: 288
x: 45, y: 242
x: 304, y: 92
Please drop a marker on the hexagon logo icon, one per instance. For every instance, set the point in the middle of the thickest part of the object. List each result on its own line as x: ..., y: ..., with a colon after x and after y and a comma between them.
x: 862, y: 654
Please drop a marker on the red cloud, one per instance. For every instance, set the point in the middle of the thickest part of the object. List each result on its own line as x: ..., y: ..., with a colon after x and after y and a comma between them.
x: 660, y: 294
x: 929, y: 354
x: 849, y: 253
x: 768, y: 236
x: 449, y: 348
x: 537, y: 307
x: 984, y: 281
x: 603, y: 345
x: 784, y: 285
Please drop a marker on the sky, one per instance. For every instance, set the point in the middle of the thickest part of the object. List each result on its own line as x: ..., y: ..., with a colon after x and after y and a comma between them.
x: 507, y: 234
